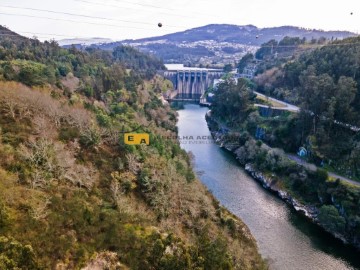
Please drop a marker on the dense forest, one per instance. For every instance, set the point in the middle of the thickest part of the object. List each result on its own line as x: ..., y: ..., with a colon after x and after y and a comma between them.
x: 325, y: 83
x: 73, y: 195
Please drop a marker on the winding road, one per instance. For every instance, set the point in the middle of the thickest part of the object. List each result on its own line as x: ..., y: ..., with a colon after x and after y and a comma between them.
x: 292, y: 108
x: 286, y: 106
x: 312, y: 167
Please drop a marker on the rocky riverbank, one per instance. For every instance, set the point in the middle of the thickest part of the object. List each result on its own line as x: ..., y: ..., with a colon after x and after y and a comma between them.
x: 270, y: 183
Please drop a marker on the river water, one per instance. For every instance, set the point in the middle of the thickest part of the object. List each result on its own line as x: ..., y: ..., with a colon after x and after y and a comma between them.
x: 286, y: 239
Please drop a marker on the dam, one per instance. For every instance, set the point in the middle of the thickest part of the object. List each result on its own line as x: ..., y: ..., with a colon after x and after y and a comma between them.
x: 190, y: 83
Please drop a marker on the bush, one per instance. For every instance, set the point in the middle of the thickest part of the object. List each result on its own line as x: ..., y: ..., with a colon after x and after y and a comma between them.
x: 103, y: 119
x: 90, y: 137
x: 321, y: 175
x: 15, y: 255
x: 68, y: 133
x: 32, y: 73
x: 190, y: 176
x: 330, y: 218
x: 4, y: 216
x: 88, y: 91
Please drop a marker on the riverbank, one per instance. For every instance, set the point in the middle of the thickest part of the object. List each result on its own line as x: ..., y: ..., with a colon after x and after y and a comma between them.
x: 311, y: 212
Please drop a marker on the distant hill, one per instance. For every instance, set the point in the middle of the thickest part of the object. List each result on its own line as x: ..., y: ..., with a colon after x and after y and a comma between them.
x: 83, y: 41
x: 219, y: 43
x: 247, y: 34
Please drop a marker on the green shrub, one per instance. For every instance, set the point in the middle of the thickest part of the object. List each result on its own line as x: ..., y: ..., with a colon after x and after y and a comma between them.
x: 14, y: 255
x: 68, y: 133
x: 90, y: 137
x: 331, y: 219
x: 32, y: 73
x: 4, y: 216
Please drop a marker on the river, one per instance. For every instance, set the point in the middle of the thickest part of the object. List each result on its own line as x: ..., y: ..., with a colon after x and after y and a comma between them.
x: 285, y: 238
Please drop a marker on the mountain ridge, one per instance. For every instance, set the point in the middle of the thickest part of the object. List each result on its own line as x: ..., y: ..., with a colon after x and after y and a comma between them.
x: 261, y: 32
x: 218, y: 44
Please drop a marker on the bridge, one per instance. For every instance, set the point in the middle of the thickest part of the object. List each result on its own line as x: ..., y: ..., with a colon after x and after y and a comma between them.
x: 190, y: 83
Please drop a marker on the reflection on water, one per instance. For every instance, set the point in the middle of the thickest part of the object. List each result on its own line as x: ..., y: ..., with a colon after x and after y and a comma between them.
x: 188, y: 96
x: 287, y: 239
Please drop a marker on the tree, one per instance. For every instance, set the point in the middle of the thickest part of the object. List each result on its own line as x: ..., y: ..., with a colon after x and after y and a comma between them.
x: 345, y: 95
x: 32, y: 73
x: 330, y: 218
x: 14, y: 255
x: 316, y: 95
x: 355, y: 159
x: 247, y: 58
x: 232, y: 101
x: 227, y: 68
x: 267, y: 49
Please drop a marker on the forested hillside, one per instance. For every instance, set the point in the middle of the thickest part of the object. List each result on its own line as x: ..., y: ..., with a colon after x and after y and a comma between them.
x: 215, y: 44
x: 235, y: 122
x: 73, y: 195
x: 325, y: 83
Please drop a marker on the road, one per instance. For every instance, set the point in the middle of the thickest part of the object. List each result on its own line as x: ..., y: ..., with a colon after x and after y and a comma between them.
x: 312, y: 167
x: 292, y: 108
x: 287, y: 106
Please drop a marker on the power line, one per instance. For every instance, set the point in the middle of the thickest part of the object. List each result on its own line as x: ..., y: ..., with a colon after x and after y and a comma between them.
x: 22, y: 37
x: 11, y: 35
x: 110, y: 5
x: 50, y: 34
x: 118, y: 26
x: 69, y: 20
x: 37, y: 35
x: 281, y: 46
x: 76, y: 15
x: 145, y: 5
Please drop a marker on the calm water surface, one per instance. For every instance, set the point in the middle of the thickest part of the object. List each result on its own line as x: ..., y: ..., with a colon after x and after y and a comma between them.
x: 285, y: 238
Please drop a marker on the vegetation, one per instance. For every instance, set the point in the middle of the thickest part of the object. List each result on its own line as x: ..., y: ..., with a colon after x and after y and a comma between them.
x: 245, y: 60
x: 74, y: 195
x: 208, y: 44
x: 325, y: 83
x: 232, y: 102
x: 286, y: 45
x: 320, y: 127
x: 227, y: 68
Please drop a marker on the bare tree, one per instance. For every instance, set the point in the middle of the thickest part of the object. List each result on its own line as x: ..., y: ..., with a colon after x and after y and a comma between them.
x: 115, y: 190
x: 40, y: 211
x: 81, y: 176
x: 132, y: 163
x: 37, y: 179
x: 9, y: 107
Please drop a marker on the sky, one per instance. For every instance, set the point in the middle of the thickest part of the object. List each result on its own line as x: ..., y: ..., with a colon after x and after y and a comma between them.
x: 132, y: 19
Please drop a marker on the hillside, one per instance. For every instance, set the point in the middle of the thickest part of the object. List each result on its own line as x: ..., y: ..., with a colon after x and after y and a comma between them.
x: 258, y: 139
x: 73, y: 195
x: 244, y: 34
x: 219, y: 43
x: 83, y: 41
x: 325, y: 83
x: 7, y: 33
